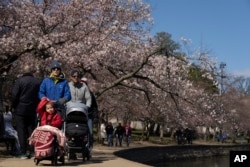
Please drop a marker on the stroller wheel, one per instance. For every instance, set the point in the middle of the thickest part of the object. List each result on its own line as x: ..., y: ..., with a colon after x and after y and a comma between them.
x: 68, y: 156
x: 54, y: 160
x: 88, y: 156
x: 61, y: 159
x: 36, y: 161
x: 72, y: 156
x: 83, y: 158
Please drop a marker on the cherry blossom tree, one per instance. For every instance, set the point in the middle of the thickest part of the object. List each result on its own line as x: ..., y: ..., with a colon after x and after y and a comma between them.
x: 108, y: 40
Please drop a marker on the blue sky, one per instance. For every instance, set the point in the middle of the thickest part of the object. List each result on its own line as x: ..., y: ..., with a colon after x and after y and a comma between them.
x: 220, y: 26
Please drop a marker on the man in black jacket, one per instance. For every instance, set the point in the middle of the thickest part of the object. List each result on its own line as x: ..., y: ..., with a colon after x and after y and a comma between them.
x: 110, y: 130
x: 119, y: 132
x: 24, y: 101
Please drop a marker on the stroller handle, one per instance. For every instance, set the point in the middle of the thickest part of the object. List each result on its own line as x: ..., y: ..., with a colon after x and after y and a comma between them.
x: 60, y: 108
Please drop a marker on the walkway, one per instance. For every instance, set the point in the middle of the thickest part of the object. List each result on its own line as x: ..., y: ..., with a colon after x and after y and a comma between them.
x: 102, y: 156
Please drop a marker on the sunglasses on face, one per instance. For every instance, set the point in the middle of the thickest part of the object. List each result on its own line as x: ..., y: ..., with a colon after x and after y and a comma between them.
x: 75, y: 76
x: 56, y: 68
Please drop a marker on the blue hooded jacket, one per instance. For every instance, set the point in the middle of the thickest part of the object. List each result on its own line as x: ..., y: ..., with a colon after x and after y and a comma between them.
x: 54, y: 89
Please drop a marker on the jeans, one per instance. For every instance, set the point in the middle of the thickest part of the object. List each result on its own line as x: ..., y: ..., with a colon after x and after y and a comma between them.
x: 127, y: 140
x: 110, y: 139
x: 90, y: 125
x: 118, y: 140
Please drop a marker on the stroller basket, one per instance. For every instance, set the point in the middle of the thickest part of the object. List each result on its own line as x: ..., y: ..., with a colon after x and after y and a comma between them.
x: 76, y: 129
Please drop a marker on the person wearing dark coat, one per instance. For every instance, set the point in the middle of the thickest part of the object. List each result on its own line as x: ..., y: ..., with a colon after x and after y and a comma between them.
x: 24, y: 101
x: 119, y: 131
x: 110, y: 130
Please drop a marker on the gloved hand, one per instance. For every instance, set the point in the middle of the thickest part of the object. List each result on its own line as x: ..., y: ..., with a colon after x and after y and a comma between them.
x: 61, y: 101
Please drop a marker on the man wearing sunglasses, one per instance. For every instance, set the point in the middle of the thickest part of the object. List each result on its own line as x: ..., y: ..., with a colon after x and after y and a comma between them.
x: 55, y: 87
x: 79, y: 91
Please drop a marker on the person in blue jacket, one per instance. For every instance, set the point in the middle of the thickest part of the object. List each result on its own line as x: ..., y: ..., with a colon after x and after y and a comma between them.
x: 55, y: 87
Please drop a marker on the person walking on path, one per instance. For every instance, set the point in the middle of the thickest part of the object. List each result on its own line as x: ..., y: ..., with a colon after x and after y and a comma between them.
x: 110, y: 130
x: 79, y: 90
x: 55, y: 87
x: 103, y: 134
x: 119, y: 131
x: 128, y: 132
x: 24, y: 101
x: 81, y: 93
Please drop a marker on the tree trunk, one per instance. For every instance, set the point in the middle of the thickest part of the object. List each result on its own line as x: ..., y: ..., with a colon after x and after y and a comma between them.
x: 207, y: 134
x: 161, y: 132
x: 1, y: 94
x: 147, y: 131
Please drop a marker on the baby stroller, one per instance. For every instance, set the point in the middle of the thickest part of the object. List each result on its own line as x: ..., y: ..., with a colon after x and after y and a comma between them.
x: 77, y: 131
x: 48, y: 144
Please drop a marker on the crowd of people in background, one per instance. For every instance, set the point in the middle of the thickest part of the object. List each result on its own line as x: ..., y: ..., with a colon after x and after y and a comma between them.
x: 119, y: 133
x: 184, y: 136
x: 221, y: 136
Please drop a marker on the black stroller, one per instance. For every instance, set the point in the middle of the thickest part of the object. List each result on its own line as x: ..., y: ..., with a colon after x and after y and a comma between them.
x: 76, y: 130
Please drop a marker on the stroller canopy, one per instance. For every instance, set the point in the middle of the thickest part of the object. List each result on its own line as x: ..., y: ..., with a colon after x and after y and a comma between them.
x: 76, y: 106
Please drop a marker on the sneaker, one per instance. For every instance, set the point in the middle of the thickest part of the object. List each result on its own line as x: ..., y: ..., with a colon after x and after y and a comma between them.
x: 23, y: 156
x: 31, y: 155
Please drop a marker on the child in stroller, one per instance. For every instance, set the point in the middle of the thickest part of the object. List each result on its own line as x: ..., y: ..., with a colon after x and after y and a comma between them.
x: 76, y: 130
x: 48, y: 139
